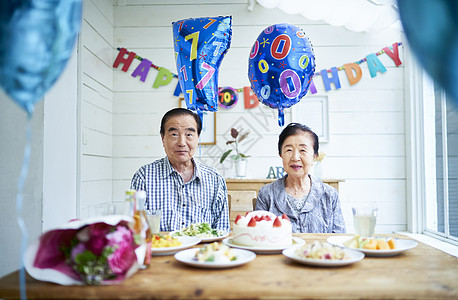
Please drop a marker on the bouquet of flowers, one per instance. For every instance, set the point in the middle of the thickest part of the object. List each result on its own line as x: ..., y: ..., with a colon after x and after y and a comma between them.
x: 94, y: 251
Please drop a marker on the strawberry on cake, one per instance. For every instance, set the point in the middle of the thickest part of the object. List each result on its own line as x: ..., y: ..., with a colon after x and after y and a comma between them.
x: 262, y: 229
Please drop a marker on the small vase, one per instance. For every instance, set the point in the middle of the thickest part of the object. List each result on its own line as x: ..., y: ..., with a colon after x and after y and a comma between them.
x: 240, y: 167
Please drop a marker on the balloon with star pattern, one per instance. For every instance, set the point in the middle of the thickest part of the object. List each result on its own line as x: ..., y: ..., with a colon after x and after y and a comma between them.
x: 200, y: 45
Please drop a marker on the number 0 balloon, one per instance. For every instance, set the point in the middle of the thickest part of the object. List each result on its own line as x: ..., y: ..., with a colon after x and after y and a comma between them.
x: 200, y: 45
x: 281, y: 67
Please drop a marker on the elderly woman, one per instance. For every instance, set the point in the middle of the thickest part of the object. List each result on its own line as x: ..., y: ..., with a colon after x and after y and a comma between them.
x: 310, y: 204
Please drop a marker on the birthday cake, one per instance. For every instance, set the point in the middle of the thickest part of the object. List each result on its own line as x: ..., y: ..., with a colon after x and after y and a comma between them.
x: 262, y: 229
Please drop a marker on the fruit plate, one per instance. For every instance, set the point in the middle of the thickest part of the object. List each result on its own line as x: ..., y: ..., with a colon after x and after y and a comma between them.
x: 187, y: 257
x: 186, y: 242
x: 353, y: 256
x: 223, y: 235
x: 401, y: 246
x: 265, y: 250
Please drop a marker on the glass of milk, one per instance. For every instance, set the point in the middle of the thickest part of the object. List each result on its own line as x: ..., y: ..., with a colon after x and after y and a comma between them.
x: 154, y: 219
x: 365, y: 218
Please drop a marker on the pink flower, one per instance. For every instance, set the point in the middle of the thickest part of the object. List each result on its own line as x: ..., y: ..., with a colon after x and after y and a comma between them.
x: 78, y: 249
x: 121, y: 235
x: 97, y: 238
x: 99, y: 229
x: 96, y: 244
x: 122, y: 259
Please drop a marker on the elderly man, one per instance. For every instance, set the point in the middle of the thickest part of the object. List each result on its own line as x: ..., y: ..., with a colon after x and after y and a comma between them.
x: 185, y: 190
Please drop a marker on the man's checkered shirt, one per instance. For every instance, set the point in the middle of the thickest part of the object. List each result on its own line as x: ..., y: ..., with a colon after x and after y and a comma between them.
x: 202, y: 199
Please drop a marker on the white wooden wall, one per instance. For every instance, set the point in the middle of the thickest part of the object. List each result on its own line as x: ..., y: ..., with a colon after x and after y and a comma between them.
x: 96, y: 89
x: 120, y: 115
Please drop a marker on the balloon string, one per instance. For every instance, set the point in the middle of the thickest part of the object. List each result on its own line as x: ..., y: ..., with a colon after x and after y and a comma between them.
x: 201, y: 115
x: 19, y: 204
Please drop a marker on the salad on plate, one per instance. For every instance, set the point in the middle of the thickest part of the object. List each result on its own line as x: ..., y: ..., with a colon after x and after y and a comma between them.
x: 214, y: 255
x: 318, y: 250
x: 215, y: 252
x: 201, y: 230
x: 323, y: 254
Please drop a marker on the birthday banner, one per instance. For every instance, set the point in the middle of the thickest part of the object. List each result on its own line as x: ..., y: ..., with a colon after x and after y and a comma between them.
x: 228, y: 96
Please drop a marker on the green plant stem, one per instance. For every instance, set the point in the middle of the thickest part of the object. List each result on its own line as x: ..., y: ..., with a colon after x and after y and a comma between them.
x: 237, y: 147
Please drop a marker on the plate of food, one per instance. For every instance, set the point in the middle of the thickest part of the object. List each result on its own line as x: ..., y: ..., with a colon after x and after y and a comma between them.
x: 323, y: 255
x: 214, y: 256
x: 168, y: 245
x: 373, y: 246
x: 264, y: 250
x: 202, y: 231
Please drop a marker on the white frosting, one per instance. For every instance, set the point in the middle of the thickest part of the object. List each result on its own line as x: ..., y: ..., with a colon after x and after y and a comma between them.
x: 263, y: 234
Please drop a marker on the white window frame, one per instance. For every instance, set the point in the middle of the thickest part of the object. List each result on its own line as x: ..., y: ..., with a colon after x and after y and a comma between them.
x: 420, y: 130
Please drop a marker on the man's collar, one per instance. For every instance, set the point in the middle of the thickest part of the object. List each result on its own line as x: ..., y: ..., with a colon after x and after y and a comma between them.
x: 169, y: 169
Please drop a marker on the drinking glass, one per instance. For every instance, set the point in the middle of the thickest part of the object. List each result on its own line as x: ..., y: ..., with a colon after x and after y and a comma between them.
x: 103, y: 209
x: 154, y: 219
x: 365, y: 218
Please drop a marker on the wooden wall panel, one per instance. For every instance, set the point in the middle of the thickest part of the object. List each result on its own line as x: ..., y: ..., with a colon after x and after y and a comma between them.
x: 367, y: 122
x: 244, y: 36
x: 93, y: 193
x: 97, y: 45
x: 364, y: 167
x: 148, y: 102
x: 96, y: 168
x: 350, y: 100
x: 93, y: 117
x: 97, y: 143
x: 159, y: 15
x: 125, y: 168
x: 95, y: 68
x: 102, y: 97
x: 99, y: 14
x: 137, y: 146
x: 95, y: 97
x: 96, y: 124
x: 124, y: 82
x: 371, y: 145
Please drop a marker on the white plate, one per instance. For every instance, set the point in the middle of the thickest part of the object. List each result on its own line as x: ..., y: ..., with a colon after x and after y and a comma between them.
x: 187, y: 257
x: 206, y: 240
x: 266, y: 250
x: 186, y: 242
x: 401, y: 246
x: 354, y: 256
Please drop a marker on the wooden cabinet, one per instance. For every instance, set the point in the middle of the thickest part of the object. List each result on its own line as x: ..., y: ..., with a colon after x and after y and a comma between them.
x: 234, y: 184
x: 242, y: 194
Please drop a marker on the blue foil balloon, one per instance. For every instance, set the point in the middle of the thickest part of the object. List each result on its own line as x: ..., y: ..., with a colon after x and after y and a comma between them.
x: 36, y: 41
x: 432, y: 30
x: 200, y: 45
x: 281, y: 67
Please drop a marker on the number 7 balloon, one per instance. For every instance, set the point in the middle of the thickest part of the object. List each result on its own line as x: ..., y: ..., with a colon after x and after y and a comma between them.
x: 281, y: 67
x: 36, y: 41
x: 200, y: 45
